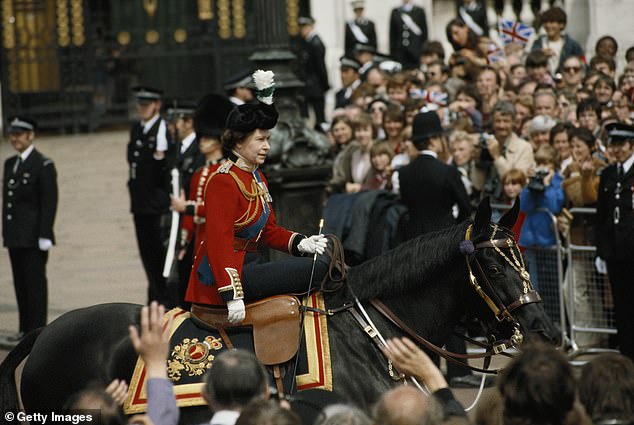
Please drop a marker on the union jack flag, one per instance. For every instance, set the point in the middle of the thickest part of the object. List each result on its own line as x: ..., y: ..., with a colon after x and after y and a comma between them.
x: 495, y: 54
x: 514, y: 32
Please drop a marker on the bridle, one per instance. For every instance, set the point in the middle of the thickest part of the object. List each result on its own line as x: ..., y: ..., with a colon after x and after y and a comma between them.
x: 481, y: 285
x: 485, y: 289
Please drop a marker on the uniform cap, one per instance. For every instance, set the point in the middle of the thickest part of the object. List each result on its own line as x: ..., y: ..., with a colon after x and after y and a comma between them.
x: 620, y: 132
x: 346, y: 62
x: 147, y: 94
x: 240, y: 79
x: 357, y: 4
x: 305, y: 20
x: 21, y: 124
x: 181, y: 109
x: 360, y: 47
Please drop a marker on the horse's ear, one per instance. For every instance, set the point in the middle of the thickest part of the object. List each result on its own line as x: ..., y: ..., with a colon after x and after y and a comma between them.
x: 510, y: 217
x: 483, y: 216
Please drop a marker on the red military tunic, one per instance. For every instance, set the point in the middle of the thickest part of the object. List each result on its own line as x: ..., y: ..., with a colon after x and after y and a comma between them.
x: 238, y: 216
x: 193, y: 224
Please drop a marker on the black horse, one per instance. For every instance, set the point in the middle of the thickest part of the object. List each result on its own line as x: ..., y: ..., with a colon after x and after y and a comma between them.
x: 425, y: 282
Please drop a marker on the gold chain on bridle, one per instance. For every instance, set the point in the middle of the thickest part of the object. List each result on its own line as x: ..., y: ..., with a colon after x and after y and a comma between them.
x: 516, y: 264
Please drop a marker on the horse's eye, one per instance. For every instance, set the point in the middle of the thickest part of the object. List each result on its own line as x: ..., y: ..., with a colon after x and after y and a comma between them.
x: 495, y: 269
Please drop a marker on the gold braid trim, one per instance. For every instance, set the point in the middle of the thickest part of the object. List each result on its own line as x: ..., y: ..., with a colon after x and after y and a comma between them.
x: 252, y: 196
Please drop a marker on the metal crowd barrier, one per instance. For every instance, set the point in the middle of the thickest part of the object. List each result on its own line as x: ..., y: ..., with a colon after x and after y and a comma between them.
x: 588, y: 295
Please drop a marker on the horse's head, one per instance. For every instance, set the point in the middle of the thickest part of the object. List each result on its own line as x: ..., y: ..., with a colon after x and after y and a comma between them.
x: 499, y: 275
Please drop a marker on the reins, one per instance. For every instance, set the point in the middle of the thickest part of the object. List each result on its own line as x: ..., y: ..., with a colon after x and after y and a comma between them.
x: 483, y: 288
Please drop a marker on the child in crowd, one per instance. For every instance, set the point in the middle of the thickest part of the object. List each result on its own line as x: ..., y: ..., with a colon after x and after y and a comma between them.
x: 380, y: 175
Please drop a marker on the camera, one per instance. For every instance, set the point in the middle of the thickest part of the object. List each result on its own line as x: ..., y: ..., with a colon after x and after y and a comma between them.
x: 485, y: 160
x: 536, y: 183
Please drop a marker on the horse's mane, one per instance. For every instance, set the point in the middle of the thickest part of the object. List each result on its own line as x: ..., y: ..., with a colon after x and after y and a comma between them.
x: 399, y: 270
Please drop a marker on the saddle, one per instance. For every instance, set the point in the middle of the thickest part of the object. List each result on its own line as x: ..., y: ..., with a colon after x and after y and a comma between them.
x: 275, y: 323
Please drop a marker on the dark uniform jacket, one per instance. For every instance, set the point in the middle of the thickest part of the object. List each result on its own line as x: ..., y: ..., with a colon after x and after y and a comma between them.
x: 149, y: 179
x: 187, y: 163
x: 29, y: 201
x: 478, y: 14
x: 367, y: 28
x: 314, y: 67
x: 405, y: 45
x: 429, y: 189
x: 615, y: 217
x: 343, y: 97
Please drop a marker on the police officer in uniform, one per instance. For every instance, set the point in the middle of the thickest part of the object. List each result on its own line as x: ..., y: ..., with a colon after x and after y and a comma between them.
x: 148, y: 185
x: 28, y: 213
x: 350, y: 80
x: 408, y: 31
x: 615, y: 230
x: 238, y: 88
x: 313, y: 58
x: 359, y: 29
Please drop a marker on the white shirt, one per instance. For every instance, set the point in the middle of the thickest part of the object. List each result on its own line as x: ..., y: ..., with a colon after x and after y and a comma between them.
x: 224, y: 417
x: 628, y: 164
x: 187, y: 141
x: 236, y: 101
x: 161, y: 135
x: 25, y: 154
x: 556, y: 47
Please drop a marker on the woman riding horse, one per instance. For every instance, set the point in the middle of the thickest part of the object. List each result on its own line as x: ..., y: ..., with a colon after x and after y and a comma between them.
x: 239, y: 217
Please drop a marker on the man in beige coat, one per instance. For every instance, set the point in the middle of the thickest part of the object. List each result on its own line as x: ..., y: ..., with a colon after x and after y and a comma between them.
x: 505, y: 149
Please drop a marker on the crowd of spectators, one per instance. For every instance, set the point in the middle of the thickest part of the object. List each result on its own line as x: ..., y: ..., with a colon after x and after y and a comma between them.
x: 521, y: 121
x: 529, y: 124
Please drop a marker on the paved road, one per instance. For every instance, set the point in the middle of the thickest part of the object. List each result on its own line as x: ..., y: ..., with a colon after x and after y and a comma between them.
x: 95, y: 259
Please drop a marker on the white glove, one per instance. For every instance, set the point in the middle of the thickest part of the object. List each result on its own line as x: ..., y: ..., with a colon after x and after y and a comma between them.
x: 237, y: 312
x: 44, y: 244
x: 600, y: 265
x: 314, y: 244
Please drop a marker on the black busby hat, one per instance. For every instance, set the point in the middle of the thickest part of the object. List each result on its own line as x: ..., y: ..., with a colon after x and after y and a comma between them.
x: 249, y: 117
x: 211, y: 115
x: 145, y: 94
x: 346, y: 62
x: 240, y: 79
x: 426, y: 125
x: 21, y: 124
x: 619, y: 132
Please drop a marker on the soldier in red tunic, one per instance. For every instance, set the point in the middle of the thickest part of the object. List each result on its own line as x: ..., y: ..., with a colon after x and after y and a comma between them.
x: 239, y: 217
x: 209, y: 121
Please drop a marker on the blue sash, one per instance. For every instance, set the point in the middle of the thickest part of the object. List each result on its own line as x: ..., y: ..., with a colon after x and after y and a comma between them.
x: 205, y: 275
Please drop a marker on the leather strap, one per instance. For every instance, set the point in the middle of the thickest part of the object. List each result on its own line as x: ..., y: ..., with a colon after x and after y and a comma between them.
x: 277, y: 374
x: 247, y: 245
x: 447, y: 355
x: 225, y: 338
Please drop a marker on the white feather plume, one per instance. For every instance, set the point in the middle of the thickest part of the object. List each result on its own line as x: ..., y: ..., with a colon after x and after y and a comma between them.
x: 264, y: 84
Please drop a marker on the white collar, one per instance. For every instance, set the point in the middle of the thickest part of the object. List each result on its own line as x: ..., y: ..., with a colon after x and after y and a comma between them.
x: 407, y: 7
x: 147, y: 125
x: 628, y: 163
x: 224, y: 417
x: 243, y: 164
x: 311, y: 35
x: 24, y: 155
x: 428, y: 152
x: 236, y: 101
x: 187, y: 141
